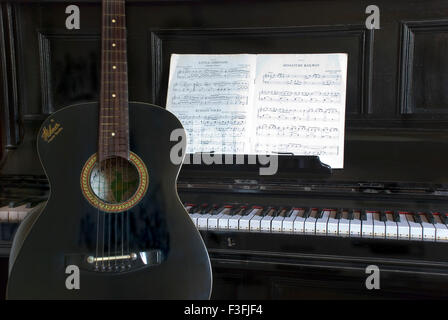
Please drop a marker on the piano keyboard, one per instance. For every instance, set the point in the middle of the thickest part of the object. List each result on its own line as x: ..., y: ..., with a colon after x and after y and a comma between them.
x: 401, y: 225
x: 398, y: 225
x: 16, y: 211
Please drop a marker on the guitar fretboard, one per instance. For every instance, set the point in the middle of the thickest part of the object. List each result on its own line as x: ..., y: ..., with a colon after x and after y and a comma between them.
x: 113, y: 134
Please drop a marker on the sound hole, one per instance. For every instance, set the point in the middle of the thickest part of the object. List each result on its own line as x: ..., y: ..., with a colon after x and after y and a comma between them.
x: 115, y: 180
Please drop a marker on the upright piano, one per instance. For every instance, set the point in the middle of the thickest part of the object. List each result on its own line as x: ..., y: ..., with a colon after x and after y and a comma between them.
x: 308, y: 231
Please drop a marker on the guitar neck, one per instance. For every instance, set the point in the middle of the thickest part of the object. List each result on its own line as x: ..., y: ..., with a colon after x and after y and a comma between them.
x: 113, y: 132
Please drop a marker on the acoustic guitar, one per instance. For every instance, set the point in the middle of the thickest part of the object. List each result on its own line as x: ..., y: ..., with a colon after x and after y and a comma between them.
x: 113, y: 226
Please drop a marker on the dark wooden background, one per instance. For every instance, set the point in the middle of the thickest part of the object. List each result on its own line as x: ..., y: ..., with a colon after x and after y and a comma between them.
x: 397, y: 101
x: 397, y: 106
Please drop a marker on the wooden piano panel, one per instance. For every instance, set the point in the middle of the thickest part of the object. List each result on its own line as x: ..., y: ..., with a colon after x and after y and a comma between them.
x: 397, y: 115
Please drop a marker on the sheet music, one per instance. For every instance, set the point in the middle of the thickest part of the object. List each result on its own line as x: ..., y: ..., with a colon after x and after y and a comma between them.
x: 211, y: 95
x: 260, y: 104
x: 300, y: 105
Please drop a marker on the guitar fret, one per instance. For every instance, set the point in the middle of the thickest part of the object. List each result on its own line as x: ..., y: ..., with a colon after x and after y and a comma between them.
x: 115, y: 72
x: 113, y: 117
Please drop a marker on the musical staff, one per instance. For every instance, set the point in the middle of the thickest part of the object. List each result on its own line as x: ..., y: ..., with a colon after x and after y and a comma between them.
x: 261, y: 103
x: 211, y: 96
x: 300, y: 105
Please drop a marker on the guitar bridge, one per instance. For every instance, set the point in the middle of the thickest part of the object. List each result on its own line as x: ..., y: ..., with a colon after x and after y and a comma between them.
x: 117, y: 263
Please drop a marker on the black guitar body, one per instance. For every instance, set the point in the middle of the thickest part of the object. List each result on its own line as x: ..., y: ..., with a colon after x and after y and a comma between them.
x: 175, y: 263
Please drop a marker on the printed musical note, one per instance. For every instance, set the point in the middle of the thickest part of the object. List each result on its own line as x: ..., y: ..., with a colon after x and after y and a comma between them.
x: 261, y: 103
x: 211, y: 95
x: 300, y: 105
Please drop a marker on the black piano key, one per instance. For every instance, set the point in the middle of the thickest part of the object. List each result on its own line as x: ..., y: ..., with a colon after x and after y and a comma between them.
x: 430, y: 217
x: 350, y: 215
x: 396, y: 216
x: 241, y: 210
x: 443, y: 218
x: 34, y: 202
x: 27, y: 201
x: 289, y: 212
x: 233, y: 210
x: 269, y: 211
x: 338, y: 215
x: 363, y: 215
x: 215, y: 209
x: 191, y: 210
x: 260, y: 211
x: 203, y: 208
x: 228, y: 208
x: 307, y: 213
x: 383, y: 216
x: 417, y: 217
x: 284, y: 212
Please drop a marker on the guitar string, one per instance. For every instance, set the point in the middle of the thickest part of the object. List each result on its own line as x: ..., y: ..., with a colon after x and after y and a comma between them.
x: 125, y: 118
x: 111, y: 159
x: 126, y: 110
x: 100, y: 138
x: 114, y: 102
x: 107, y: 161
x: 118, y: 117
x: 117, y: 46
x: 105, y: 144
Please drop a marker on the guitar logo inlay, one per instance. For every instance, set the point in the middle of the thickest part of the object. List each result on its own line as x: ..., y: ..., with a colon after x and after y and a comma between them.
x: 50, y: 132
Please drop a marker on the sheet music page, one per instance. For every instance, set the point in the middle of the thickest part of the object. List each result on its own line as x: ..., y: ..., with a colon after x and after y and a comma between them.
x: 300, y: 105
x: 212, y: 97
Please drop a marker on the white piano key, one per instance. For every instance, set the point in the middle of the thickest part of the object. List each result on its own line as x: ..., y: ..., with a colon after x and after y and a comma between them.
x: 266, y: 222
x: 429, y: 231
x: 194, y: 217
x: 355, y: 224
x: 277, y: 224
x: 321, y: 223
x: 391, y: 226
x: 379, y: 227
x: 203, y: 221
x: 18, y: 213
x: 441, y: 228
x: 231, y: 221
x: 403, y: 226
x: 332, y: 224
x: 367, y: 225
x: 212, y: 222
x: 4, y: 214
x: 344, y: 225
x: 310, y: 222
x: 299, y: 222
x: 245, y: 220
x: 255, y: 223
x: 415, y: 229
x: 234, y: 222
x: 288, y: 222
x: 223, y: 222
